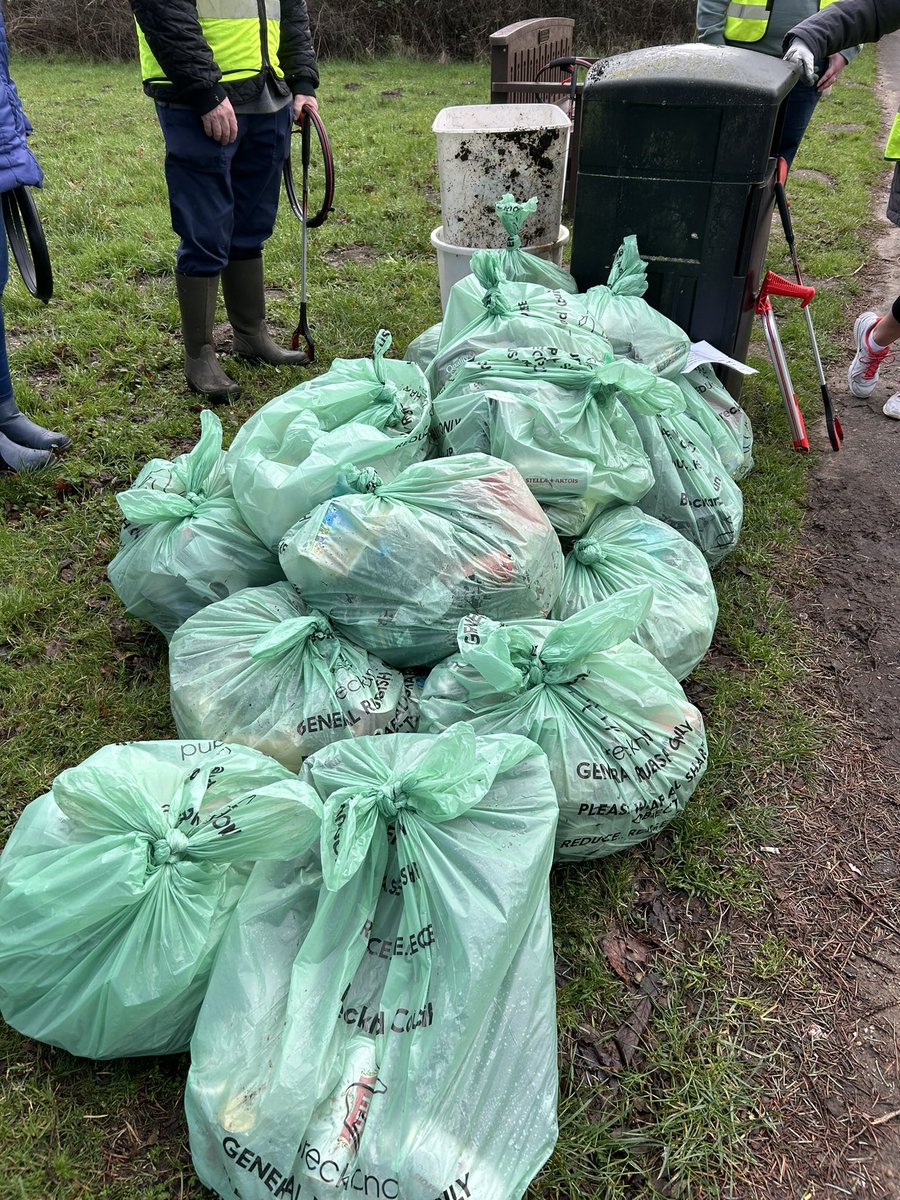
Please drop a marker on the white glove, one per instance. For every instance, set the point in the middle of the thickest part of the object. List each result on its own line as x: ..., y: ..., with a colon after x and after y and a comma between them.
x: 798, y: 54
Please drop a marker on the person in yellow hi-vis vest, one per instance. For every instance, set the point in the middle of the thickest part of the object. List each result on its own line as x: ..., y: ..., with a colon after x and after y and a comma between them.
x: 228, y: 78
x: 761, y: 25
x: 805, y: 44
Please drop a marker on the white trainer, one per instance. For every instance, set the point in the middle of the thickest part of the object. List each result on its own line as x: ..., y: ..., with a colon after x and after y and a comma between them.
x: 863, y: 372
x: 892, y: 408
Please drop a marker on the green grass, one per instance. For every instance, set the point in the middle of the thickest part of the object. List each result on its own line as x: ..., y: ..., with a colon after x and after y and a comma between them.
x: 102, y: 362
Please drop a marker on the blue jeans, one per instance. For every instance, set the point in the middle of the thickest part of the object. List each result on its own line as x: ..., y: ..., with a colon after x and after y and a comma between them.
x: 799, y: 108
x: 223, y: 199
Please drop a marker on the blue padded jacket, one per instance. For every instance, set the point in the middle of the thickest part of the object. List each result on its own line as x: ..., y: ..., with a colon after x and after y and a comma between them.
x: 17, y: 163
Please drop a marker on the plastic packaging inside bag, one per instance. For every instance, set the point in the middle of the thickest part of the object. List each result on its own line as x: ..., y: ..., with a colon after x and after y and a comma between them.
x: 395, y: 565
x: 262, y: 669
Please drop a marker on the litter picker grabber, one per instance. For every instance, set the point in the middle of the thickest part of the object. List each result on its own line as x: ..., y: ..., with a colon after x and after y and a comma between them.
x: 832, y: 424
x: 777, y: 285
x: 573, y: 66
x: 300, y: 208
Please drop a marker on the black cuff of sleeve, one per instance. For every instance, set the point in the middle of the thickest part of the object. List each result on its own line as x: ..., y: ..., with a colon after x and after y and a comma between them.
x: 208, y: 99
x: 790, y: 37
x: 301, y: 87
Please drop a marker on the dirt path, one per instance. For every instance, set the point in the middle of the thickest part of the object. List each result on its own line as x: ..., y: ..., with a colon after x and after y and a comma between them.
x: 854, y: 520
x: 837, y: 878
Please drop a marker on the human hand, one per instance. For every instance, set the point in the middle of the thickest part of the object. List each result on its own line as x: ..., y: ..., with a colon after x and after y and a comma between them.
x: 221, y: 123
x: 301, y: 103
x: 836, y: 64
x: 798, y: 54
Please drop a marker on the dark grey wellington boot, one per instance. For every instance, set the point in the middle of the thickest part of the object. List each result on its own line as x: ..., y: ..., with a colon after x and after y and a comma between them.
x: 14, y: 457
x: 24, y: 432
x: 245, y: 303
x: 197, y: 301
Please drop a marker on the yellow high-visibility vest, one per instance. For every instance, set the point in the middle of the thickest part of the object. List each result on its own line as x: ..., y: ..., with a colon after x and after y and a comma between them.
x: 892, y: 149
x: 748, y: 21
x: 236, y: 32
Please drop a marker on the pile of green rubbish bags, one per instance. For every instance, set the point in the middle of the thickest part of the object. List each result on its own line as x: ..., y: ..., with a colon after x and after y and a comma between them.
x: 497, y: 551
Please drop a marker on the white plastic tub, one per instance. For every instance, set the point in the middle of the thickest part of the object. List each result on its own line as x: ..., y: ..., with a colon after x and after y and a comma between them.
x: 454, y: 261
x: 486, y: 150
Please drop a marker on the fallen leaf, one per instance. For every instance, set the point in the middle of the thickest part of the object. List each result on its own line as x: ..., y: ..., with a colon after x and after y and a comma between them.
x: 626, y: 955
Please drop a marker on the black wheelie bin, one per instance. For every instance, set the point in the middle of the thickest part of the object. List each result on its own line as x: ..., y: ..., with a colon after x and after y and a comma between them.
x: 676, y: 147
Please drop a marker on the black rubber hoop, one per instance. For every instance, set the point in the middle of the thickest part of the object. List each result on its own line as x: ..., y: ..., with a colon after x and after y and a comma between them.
x: 25, y: 234
x: 313, y: 119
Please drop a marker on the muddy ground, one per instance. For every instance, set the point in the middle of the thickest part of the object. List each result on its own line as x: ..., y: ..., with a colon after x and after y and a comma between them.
x: 837, y: 875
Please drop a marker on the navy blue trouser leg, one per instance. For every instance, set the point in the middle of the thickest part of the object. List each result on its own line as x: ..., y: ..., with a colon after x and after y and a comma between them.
x: 223, y: 199
x: 256, y: 183
x: 799, y: 108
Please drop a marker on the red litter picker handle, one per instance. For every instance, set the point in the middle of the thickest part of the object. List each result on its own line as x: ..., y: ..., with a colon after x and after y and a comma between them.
x: 777, y: 285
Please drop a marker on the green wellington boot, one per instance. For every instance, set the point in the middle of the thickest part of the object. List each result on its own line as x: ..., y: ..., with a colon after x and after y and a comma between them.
x: 245, y: 303
x: 197, y: 301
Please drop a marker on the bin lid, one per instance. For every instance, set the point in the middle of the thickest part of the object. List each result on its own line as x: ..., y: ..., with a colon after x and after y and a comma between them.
x: 697, y: 74
x: 465, y: 120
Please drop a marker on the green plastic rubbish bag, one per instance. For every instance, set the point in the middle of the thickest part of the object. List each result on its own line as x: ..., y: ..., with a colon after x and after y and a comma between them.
x: 559, y: 419
x: 729, y: 452
x: 290, y: 456
x: 184, y: 543
x: 633, y: 328
x: 116, y: 886
x: 488, y: 312
x: 422, y: 349
x: 625, y: 746
x: 402, y: 1042
x: 262, y: 669
x: 625, y: 548
x: 394, y: 566
x: 692, y: 491
x: 722, y: 418
x: 517, y: 264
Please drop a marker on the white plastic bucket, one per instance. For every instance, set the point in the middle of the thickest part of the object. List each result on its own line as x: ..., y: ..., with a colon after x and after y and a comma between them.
x: 454, y: 261
x: 487, y: 150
